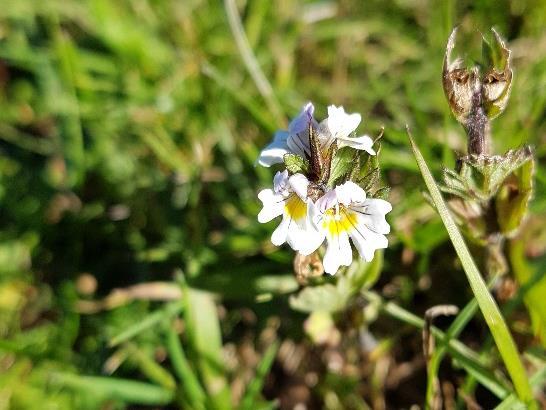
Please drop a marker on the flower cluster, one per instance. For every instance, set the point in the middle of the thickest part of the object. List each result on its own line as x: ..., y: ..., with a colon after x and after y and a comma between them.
x: 319, y: 194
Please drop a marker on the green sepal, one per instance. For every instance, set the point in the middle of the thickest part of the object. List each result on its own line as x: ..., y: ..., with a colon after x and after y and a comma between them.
x: 296, y: 164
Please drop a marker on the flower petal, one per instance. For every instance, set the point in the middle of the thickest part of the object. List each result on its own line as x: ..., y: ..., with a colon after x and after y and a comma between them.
x: 312, y: 237
x: 338, y: 253
x: 273, y: 205
x: 363, y: 235
x: 364, y: 143
x: 299, y: 144
x: 349, y: 193
x: 366, y: 242
x: 327, y: 201
x: 280, y: 234
x: 301, y: 122
x: 339, y: 123
x: 299, y: 184
x: 281, y: 184
x: 275, y: 151
x: 372, y: 213
x: 379, y: 206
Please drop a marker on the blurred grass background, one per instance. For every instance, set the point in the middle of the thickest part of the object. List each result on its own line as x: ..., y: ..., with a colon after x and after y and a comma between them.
x: 128, y: 135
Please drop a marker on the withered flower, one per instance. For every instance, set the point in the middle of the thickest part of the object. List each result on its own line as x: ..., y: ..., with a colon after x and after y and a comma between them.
x: 478, y: 94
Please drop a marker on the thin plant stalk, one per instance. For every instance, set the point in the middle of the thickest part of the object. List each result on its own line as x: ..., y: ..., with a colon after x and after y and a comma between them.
x: 250, y: 61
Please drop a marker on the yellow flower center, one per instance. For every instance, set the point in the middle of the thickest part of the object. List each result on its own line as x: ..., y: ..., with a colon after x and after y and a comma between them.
x: 339, y: 220
x: 295, y: 207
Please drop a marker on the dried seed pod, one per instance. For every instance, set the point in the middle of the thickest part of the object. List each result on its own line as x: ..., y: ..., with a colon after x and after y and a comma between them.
x: 474, y: 98
x: 497, y: 80
x: 460, y: 84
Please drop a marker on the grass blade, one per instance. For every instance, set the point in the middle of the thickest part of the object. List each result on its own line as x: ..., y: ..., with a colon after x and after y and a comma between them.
x: 149, y: 321
x: 251, y: 63
x: 206, y: 341
x: 255, y: 386
x: 512, y: 403
x: 190, y: 383
x: 150, y: 368
x: 489, y: 308
x: 113, y: 388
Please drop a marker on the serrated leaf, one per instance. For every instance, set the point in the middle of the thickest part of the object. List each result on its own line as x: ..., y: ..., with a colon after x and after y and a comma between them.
x: 481, y: 176
x: 296, y: 164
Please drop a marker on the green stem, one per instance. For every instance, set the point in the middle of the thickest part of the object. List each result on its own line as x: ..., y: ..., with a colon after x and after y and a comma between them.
x: 489, y: 308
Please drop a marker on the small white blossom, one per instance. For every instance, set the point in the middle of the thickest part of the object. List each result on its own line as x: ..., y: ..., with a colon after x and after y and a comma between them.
x: 288, y: 198
x: 337, y: 127
x: 344, y: 213
x: 295, y: 140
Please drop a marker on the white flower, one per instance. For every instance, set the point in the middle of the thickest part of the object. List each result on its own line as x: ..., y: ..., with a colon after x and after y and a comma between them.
x: 344, y: 213
x: 288, y: 198
x: 337, y: 127
x: 295, y: 140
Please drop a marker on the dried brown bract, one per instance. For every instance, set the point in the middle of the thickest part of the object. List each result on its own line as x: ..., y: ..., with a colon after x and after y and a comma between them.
x: 478, y: 94
x: 306, y: 267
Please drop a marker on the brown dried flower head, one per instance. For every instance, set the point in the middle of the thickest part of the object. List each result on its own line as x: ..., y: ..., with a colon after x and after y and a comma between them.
x: 493, y: 86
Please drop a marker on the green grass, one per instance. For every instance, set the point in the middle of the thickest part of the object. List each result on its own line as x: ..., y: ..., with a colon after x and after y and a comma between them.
x: 128, y: 136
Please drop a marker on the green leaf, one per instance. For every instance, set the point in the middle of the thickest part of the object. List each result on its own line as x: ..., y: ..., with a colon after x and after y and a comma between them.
x: 382, y: 193
x: 512, y: 403
x: 188, y: 378
x: 485, y: 174
x: 327, y: 297
x: 342, y: 164
x: 111, y: 388
x: 362, y: 274
x: 206, y: 341
x: 153, y: 319
x: 149, y: 367
x: 296, y: 164
x: 489, y: 308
